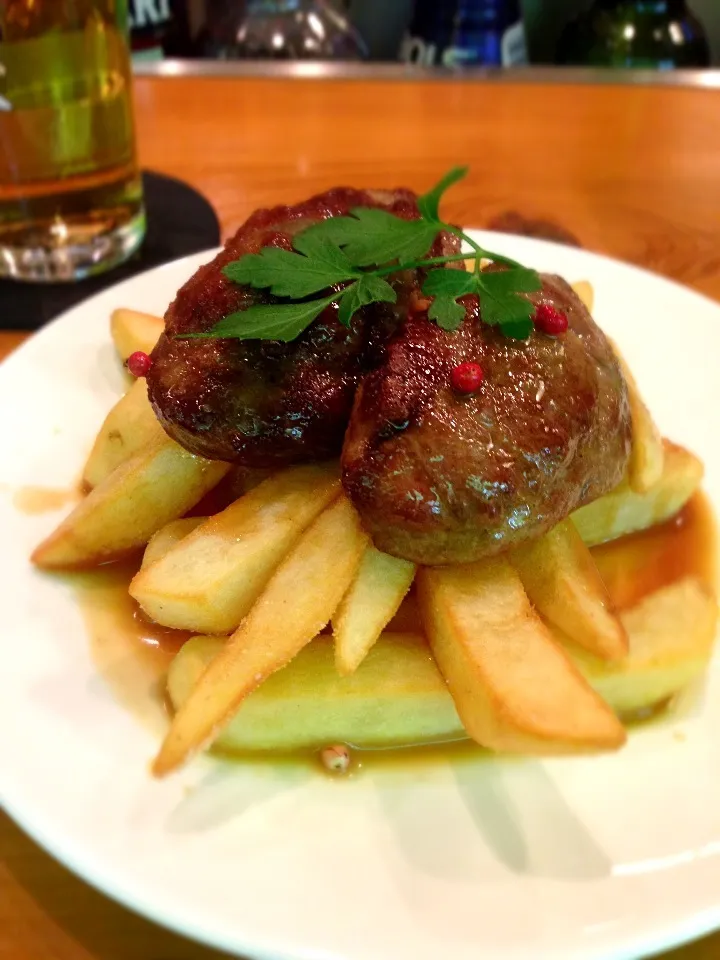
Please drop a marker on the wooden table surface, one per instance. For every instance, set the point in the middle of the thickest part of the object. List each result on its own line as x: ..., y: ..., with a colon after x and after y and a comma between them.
x: 631, y: 171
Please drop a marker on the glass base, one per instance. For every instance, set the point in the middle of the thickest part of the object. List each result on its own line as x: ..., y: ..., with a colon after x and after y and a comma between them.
x: 64, y: 250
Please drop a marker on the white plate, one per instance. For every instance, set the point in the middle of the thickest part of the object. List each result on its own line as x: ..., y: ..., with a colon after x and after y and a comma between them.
x: 574, y: 858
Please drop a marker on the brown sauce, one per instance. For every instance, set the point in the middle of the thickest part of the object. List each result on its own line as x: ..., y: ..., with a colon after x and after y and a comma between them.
x: 635, y: 566
x: 36, y: 500
x: 133, y: 654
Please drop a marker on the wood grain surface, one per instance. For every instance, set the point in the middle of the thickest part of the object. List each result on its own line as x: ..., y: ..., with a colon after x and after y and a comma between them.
x: 630, y: 171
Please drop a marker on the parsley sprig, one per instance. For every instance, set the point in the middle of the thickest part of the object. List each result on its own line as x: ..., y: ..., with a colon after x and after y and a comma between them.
x: 350, y: 256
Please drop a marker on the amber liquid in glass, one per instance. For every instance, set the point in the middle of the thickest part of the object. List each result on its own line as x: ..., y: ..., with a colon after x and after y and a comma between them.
x: 70, y: 191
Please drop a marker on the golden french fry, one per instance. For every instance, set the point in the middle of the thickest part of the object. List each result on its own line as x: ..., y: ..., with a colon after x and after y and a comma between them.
x: 645, y: 467
x: 584, y: 290
x: 158, y: 484
x: 132, y: 331
x: 672, y: 633
x: 127, y: 428
x: 168, y: 537
x: 298, y: 601
x: 368, y: 606
x: 514, y: 687
x: 396, y: 697
x: 212, y: 577
x: 469, y: 264
x: 624, y: 511
x: 563, y: 583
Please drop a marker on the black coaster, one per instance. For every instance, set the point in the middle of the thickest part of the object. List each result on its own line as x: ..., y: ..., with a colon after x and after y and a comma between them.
x: 180, y: 221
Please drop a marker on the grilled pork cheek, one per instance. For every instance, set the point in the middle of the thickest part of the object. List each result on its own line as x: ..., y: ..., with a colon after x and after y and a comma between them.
x: 265, y: 403
x: 439, y: 478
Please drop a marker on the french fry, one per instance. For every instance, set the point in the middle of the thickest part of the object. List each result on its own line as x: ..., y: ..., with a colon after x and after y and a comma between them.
x: 672, y: 633
x: 168, y: 537
x: 132, y: 331
x: 514, y: 688
x: 563, y: 584
x: 211, y: 578
x: 157, y: 485
x: 296, y: 604
x: 127, y: 428
x: 584, y: 290
x: 624, y: 511
x: 469, y: 264
x: 645, y: 467
x: 368, y: 606
x: 396, y: 697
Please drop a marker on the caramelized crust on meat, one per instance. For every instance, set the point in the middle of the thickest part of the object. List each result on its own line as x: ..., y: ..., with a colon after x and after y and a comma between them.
x: 439, y: 478
x: 264, y: 403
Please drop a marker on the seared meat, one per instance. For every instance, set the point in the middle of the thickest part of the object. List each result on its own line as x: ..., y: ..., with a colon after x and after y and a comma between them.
x: 264, y: 403
x: 438, y: 478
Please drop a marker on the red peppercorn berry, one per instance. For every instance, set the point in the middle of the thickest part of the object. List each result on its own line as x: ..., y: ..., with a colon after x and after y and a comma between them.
x: 466, y: 377
x: 139, y: 363
x: 550, y: 320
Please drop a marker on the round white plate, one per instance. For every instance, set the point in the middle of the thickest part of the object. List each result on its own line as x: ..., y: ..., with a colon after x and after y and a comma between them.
x: 606, y: 857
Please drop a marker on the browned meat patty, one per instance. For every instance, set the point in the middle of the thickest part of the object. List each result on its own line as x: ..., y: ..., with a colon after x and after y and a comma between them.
x: 438, y: 478
x: 266, y: 403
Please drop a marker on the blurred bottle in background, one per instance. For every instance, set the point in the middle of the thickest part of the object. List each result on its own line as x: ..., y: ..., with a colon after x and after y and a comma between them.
x: 70, y: 191
x: 453, y: 33
x: 382, y: 25
x: 159, y: 28
x: 279, y: 30
x: 658, y: 34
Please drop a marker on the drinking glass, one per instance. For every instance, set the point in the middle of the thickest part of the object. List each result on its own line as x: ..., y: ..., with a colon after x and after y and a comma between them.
x: 70, y: 191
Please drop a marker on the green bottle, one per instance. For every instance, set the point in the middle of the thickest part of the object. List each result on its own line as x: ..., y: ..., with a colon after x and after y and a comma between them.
x: 655, y: 34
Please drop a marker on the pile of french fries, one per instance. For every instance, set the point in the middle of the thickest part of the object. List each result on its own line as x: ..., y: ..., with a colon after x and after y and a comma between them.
x: 308, y: 635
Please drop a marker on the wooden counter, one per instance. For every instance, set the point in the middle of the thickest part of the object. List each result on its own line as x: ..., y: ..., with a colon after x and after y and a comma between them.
x: 631, y: 171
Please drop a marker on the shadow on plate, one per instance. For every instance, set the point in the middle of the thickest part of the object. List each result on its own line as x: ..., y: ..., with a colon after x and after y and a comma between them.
x: 526, y: 821
x: 230, y: 789
x: 517, y: 815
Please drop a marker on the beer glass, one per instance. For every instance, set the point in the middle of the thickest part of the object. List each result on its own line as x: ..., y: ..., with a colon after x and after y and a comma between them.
x: 70, y: 191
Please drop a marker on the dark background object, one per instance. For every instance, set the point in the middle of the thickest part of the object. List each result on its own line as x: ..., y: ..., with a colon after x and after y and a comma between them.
x: 279, y: 30
x: 545, y: 20
x: 457, y: 33
x: 160, y: 28
x: 382, y: 23
x: 662, y: 34
x: 180, y: 222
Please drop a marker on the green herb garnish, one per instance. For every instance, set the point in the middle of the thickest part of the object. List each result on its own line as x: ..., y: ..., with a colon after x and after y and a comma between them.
x: 354, y: 254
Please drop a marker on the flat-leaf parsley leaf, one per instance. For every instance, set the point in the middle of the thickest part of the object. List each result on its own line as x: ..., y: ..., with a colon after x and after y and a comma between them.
x: 354, y: 253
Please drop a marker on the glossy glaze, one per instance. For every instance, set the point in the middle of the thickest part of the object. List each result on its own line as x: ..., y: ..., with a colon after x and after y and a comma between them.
x: 440, y: 477
x: 264, y: 403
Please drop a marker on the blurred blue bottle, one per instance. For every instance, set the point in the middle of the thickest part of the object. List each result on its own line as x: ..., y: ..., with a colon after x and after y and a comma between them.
x: 463, y: 33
